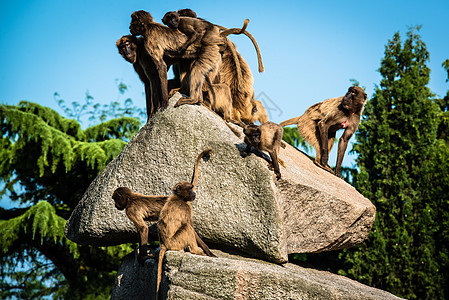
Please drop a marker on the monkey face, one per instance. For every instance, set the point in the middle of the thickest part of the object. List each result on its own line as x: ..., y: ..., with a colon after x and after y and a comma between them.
x: 184, y: 190
x: 354, y: 98
x: 128, y: 51
x: 139, y: 21
x: 171, y: 19
x: 120, y: 197
x: 253, y: 134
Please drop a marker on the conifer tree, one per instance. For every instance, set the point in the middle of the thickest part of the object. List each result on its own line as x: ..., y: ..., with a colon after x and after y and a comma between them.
x: 396, y: 145
x: 46, y: 164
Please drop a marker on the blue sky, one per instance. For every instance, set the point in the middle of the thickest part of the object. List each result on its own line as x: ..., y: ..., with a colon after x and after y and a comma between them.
x: 310, y: 49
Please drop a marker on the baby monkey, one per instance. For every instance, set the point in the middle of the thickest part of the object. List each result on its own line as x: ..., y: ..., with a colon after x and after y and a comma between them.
x: 266, y: 137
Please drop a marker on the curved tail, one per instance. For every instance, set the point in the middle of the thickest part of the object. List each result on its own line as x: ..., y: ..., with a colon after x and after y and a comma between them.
x: 259, y: 56
x: 290, y: 121
x: 203, y: 245
x: 242, y: 30
x: 159, y: 272
x: 227, y: 32
x: 206, y: 152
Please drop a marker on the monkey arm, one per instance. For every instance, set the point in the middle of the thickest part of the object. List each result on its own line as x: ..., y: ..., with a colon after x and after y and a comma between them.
x: 342, y: 145
x: 192, y: 35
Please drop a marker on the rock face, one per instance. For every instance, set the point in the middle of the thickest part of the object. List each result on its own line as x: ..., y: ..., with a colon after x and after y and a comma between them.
x: 187, y: 276
x: 239, y: 202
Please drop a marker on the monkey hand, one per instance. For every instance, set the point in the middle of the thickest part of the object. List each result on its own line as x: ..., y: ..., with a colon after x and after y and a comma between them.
x: 278, y: 176
x: 173, y: 92
x: 243, y: 154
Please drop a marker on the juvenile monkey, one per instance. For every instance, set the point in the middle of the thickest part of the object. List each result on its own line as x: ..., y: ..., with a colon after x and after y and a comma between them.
x: 175, y: 222
x: 266, y: 137
x: 319, y: 124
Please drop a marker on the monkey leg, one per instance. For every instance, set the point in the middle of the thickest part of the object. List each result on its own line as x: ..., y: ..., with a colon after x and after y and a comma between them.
x: 208, y: 59
x: 275, y: 162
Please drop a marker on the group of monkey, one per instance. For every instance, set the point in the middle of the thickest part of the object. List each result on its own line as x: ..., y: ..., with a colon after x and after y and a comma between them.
x: 200, y: 52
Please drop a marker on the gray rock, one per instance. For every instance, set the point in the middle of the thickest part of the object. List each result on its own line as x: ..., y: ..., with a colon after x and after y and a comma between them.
x: 239, y: 202
x: 187, y: 276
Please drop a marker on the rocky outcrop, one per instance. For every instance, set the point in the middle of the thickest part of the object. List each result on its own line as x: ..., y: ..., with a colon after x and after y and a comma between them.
x: 239, y: 202
x: 194, y: 277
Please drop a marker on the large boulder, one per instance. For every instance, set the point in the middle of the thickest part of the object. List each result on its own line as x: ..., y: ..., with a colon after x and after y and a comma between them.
x: 187, y: 276
x: 239, y: 202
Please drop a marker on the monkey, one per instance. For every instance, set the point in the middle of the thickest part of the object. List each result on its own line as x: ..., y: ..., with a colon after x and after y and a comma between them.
x: 259, y: 113
x: 175, y: 224
x: 132, y: 50
x: 266, y: 137
x: 320, y: 122
x: 139, y: 208
x: 187, y: 12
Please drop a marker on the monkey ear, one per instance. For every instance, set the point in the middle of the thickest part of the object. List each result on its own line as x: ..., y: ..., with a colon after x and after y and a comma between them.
x: 365, y: 96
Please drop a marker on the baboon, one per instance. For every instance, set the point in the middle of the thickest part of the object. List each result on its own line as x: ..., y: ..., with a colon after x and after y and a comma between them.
x: 319, y: 124
x: 175, y: 222
x: 187, y: 12
x: 139, y: 208
x: 132, y: 50
x: 266, y: 137
x: 220, y: 100
x: 259, y: 113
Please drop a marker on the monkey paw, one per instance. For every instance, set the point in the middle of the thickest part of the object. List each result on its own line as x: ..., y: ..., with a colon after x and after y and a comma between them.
x: 278, y: 176
x: 142, y: 258
x: 173, y: 92
x: 243, y: 154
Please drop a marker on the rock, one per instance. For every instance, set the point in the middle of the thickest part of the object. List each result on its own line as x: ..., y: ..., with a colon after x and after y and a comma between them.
x: 239, y: 202
x: 187, y: 276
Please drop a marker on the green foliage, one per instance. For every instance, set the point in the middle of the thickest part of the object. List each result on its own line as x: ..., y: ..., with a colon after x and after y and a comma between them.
x: 96, y: 112
x: 46, y: 163
x: 398, y: 151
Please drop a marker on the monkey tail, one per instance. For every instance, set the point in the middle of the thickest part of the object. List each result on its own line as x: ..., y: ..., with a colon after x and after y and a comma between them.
x: 159, y: 272
x: 290, y: 122
x: 227, y: 32
x: 236, y: 61
x: 203, y: 245
x: 259, y: 56
x: 197, y: 163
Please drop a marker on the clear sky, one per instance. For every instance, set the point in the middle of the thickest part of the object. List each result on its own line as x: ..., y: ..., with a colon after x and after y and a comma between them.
x: 310, y: 49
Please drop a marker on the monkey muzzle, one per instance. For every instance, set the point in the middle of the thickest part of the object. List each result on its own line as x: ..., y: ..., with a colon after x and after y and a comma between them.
x: 192, y: 195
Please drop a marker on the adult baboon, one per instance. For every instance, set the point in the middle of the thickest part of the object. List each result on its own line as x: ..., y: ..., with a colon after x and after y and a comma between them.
x: 175, y: 222
x: 319, y: 124
x: 131, y: 48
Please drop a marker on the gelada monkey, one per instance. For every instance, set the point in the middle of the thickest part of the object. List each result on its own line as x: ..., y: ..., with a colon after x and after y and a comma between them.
x: 131, y: 48
x: 266, y: 137
x: 319, y: 124
x: 175, y: 224
x: 139, y: 208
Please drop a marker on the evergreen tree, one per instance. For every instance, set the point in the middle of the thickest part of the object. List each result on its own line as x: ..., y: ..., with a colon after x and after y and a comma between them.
x: 396, y: 144
x: 46, y: 164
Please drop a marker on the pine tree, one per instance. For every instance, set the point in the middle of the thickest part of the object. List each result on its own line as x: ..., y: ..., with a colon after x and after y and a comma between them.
x: 396, y: 145
x: 46, y: 164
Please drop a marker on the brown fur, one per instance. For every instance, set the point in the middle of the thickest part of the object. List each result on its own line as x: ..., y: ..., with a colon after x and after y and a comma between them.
x: 319, y: 124
x: 266, y: 137
x: 164, y: 43
x: 132, y: 50
x: 259, y: 113
x: 175, y: 222
x: 197, y: 31
x: 139, y: 208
